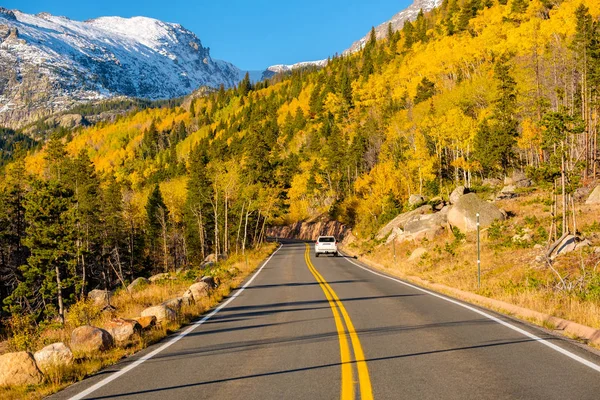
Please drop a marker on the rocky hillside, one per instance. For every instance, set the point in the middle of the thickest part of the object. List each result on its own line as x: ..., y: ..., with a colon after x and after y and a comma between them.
x: 397, y: 21
x: 50, y: 63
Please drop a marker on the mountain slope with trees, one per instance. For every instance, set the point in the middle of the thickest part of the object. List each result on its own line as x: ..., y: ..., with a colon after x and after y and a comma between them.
x: 470, y: 90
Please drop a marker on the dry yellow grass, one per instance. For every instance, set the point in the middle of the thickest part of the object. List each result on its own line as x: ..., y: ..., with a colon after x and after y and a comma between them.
x: 231, y: 274
x: 509, y: 270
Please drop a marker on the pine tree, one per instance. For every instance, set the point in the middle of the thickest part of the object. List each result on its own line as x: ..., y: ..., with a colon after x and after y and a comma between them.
x: 425, y: 90
x: 157, y: 220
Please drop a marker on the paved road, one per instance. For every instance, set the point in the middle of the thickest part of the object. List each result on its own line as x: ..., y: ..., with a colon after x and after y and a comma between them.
x: 325, y: 328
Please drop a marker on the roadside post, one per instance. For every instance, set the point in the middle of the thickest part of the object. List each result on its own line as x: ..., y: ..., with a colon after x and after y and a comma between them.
x: 478, y: 254
x: 394, y: 247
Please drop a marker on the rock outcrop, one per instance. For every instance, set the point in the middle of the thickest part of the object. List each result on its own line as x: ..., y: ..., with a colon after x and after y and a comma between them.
x: 463, y: 214
x: 53, y: 356
x: 417, y: 254
x: 19, y: 369
x: 457, y: 194
x: 89, y: 339
x: 416, y: 199
x: 309, y: 230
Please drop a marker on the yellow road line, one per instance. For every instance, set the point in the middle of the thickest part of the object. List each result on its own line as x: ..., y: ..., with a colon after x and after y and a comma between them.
x: 346, y: 360
x: 366, y: 390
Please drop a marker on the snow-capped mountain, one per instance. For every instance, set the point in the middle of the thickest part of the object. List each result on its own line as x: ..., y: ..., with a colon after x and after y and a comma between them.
x: 397, y: 21
x: 49, y: 63
x: 282, y: 68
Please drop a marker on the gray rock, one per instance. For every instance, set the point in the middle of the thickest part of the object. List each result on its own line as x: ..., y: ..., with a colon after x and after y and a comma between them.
x: 526, y: 237
x: 507, y: 192
x: 567, y: 245
x: 56, y: 355
x: 402, y: 219
x: 457, y: 194
x: 426, y: 226
x: 417, y: 254
x: 492, y: 182
x: 19, y: 369
x: 199, y: 291
x: 209, y: 280
x: 100, y: 298
x: 137, y: 284
x: 594, y: 198
x: 583, y: 244
x: 174, y: 304
x: 161, y: 312
x: 581, y: 194
x: 89, y: 339
x: 463, y: 214
x: 415, y: 199
x: 122, y: 330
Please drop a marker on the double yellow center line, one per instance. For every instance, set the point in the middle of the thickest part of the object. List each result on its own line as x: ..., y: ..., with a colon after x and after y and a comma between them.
x: 341, y: 317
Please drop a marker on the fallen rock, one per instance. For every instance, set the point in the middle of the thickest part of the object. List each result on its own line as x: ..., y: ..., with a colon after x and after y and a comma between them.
x: 415, y: 199
x: 463, y: 214
x: 417, y: 254
x: 199, y: 290
x: 100, y: 297
x: 518, y: 179
x: 457, y: 194
x: 122, y: 330
x: 402, y: 219
x: 162, y: 313
x: 146, y: 322
x: 137, y: 284
x: 56, y: 355
x: 19, y: 369
x: 88, y: 339
x: 160, y: 277
x: 594, y: 198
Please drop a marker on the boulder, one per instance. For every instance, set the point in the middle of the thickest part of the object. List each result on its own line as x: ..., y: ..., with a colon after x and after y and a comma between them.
x: 463, y: 214
x: 426, y: 226
x: 417, y: 254
x: 492, y: 182
x: 566, y: 245
x: 583, y: 244
x: 210, y: 258
x: 19, y: 369
x: 415, y: 199
x: 88, y: 339
x: 507, y: 192
x: 162, y: 313
x: 457, y: 194
x: 100, y: 298
x: 518, y: 179
x: 137, y: 284
x: 396, y: 232
x: 581, y: 194
x: 401, y: 220
x: 209, y: 280
x: 146, y: 322
x: 208, y: 264
x: 188, y: 297
x: 56, y: 355
x: 122, y: 330
x: 174, y: 304
x: 199, y: 290
x: 594, y: 198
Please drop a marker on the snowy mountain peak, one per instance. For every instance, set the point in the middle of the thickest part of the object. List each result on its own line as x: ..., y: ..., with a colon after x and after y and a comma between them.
x: 397, y: 21
x: 49, y: 63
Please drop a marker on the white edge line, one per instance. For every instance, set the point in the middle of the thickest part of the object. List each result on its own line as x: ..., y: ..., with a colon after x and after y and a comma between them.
x: 559, y: 349
x: 173, y: 340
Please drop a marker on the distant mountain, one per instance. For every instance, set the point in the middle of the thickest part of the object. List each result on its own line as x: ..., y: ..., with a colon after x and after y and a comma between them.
x: 397, y: 21
x: 50, y: 63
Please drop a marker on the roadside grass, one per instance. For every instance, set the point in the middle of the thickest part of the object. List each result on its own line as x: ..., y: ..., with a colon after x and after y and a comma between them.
x: 509, y: 270
x: 231, y: 273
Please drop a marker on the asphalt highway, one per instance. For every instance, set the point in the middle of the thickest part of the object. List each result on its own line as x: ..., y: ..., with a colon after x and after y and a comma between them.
x: 330, y: 328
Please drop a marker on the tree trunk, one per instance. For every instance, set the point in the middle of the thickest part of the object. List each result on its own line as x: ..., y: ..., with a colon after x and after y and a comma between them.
x: 61, y: 310
x: 237, y: 238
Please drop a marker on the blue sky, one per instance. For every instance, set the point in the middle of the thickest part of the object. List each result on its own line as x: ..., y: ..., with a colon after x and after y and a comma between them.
x: 251, y: 34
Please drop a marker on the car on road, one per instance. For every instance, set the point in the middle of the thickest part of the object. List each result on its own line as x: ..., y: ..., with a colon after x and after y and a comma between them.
x: 326, y: 245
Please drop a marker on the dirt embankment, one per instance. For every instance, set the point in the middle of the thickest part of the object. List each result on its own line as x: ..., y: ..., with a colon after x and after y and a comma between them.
x: 309, y: 230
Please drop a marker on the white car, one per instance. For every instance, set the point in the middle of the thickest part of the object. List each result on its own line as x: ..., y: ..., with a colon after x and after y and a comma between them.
x: 326, y: 245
